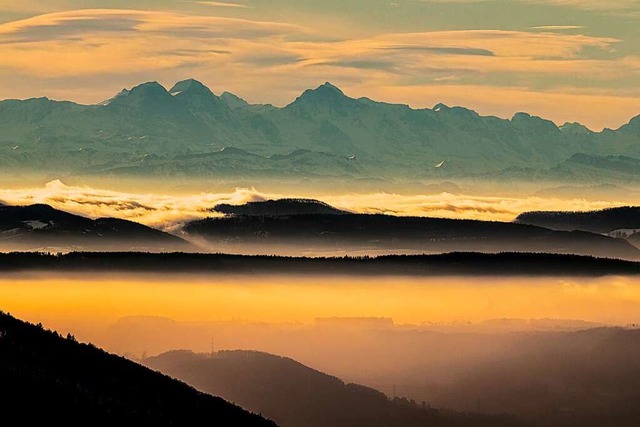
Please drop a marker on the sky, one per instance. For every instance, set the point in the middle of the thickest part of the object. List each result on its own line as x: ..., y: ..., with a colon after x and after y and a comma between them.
x: 566, y: 60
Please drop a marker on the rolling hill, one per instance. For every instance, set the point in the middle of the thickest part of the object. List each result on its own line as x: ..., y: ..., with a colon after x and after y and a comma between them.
x: 605, y: 221
x: 564, y: 379
x: 252, y: 233
x: 282, y: 207
x: 295, y: 395
x: 41, y: 227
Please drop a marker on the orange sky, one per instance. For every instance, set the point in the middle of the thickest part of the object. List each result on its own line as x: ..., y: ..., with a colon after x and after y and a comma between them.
x: 568, y: 60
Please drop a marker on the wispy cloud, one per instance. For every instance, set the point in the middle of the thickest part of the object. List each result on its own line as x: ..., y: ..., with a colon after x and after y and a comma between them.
x: 222, y: 4
x: 117, y: 41
x: 360, y: 64
x: 594, y: 5
x: 558, y: 27
x: 443, y: 50
x: 78, y: 24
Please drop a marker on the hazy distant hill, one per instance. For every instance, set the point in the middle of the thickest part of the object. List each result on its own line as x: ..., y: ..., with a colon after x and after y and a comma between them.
x: 42, y: 227
x: 597, y: 169
x: 47, y: 379
x: 569, y: 379
x: 294, y: 395
x: 603, y: 192
x: 604, y: 221
x: 151, y: 131
x: 358, y: 232
x: 282, y: 207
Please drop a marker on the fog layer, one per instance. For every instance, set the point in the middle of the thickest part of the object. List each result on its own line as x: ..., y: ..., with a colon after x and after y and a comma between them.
x: 169, y: 210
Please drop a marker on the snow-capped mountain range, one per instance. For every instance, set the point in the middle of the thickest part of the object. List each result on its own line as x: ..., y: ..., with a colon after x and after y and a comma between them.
x: 188, y: 130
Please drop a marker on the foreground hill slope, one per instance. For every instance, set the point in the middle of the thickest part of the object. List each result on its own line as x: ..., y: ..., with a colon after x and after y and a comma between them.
x: 47, y: 377
x: 295, y: 395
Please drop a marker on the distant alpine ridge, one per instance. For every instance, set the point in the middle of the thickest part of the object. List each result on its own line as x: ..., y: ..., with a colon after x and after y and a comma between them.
x: 189, y: 131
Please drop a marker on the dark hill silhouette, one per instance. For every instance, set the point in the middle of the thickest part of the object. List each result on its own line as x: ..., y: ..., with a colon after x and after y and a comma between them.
x: 603, y: 221
x: 295, y: 395
x: 384, y: 232
x: 281, y: 207
x: 41, y: 226
x: 46, y: 378
x: 511, y: 264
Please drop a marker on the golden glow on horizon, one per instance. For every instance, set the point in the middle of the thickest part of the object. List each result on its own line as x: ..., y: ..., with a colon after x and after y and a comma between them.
x: 287, y: 299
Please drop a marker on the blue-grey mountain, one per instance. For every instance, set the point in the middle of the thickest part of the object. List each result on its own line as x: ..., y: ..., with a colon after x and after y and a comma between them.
x: 190, y: 131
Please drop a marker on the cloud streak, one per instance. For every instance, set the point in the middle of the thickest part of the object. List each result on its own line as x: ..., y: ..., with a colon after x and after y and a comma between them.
x: 558, y: 27
x: 591, y: 5
x: 596, y: 5
x: 108, y: 36
x: 221, y: 4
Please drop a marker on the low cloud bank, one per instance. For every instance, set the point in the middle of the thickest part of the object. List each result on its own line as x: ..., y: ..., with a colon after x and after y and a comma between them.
x: 169, y: 211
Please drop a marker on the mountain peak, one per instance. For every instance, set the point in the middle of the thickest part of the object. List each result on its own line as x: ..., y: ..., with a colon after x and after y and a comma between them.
x: 198, y: 98
x: 441, y: 107
x: 326, y: 96
x: 148, y: 87
x: 151, y: 96
x: 149, y: 91
x: 330, y: 87
x: 575, y: 128
x: 325, y: 92
x: 521, y: 116
x: 533, y: 123
x: 189, y: 85
x: 458, y: 112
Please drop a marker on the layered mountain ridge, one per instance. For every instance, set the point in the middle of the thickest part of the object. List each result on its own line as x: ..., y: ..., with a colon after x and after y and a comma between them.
x: 151, y: 131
